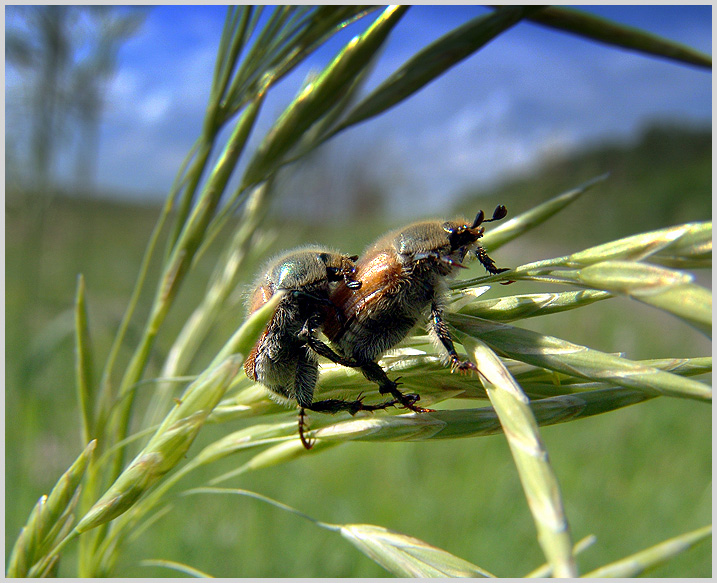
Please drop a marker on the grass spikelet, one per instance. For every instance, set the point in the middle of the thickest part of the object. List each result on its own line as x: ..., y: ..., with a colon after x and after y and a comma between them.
x: 563, y: 356
x: 539, y: 481
x: 41, y: 532
x: 166, y: 448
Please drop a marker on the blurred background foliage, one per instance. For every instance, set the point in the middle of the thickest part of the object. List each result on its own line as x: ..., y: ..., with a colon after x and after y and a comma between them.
x: 633, y: 478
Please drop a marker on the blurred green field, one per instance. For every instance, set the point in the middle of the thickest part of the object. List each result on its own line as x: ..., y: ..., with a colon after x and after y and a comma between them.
x: 633, y: 478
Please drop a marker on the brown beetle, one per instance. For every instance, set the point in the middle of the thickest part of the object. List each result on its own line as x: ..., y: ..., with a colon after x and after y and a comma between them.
x: 284, y: 359
x: 403, y: 282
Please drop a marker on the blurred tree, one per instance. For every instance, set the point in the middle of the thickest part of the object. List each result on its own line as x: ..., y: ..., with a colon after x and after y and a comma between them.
x: 66, y: 55
x: 90, y: 78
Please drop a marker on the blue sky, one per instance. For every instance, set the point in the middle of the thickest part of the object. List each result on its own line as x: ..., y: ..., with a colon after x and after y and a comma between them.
x: 530, y: 94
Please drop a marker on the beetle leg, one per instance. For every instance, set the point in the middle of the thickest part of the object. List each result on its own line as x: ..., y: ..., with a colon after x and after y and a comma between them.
x: 307, y: 443
x: 487, y: 262
x: 439, y: 327
x: 372, y: 371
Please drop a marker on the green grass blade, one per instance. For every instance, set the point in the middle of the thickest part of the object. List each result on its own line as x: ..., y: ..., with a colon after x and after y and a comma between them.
x: 176, y: 268
x: 605, y: 31
x: 175, y: 566
x: 402, y: 555
x: 179, y: 428
x: 83, y: 363
x: 540, y: 483
x: 563, y: 356
x: 524, y: 222
x: 433, y: 61
x: 668, y: 290
x: 222, y: 283
x: 318, y: 97
x: 637, y: 564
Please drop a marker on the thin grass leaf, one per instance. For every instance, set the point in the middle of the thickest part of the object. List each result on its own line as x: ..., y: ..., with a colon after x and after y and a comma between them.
x: 435, y: 60
x: 35, y: 539
x: 637, y: 564
x: 47, y: 567
x: 83, y: 363
x: 512, y: 229
x: 175, y: 566
x: 221, y: 284
x: 531, y: 458
x: 575, y: 360
x: 316, y: 25
x: 175, y: 270
x: 402, y: 555
x: 288, y: 450
x: 171, y: 440
x: 610, y: 33
x: 671, y: 291
x: 318, y: 97
x: 235, y: 34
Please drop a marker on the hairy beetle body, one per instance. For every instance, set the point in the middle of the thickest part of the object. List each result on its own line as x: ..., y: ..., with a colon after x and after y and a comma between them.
x: 403, y: 283
x: 284, y: 358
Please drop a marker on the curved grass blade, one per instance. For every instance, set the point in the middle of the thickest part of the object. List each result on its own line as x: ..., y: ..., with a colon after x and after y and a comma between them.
x: 610, y: 33
x: 433, y: 61
x: 517, y: 226
x: 318, y: 97
x: 407, y: 556
x: 83, y: 363
x: 402, y: 555
x: 637, y: 564
x: 181, y: 567
x: 575, y: 360
x: 678, y: 241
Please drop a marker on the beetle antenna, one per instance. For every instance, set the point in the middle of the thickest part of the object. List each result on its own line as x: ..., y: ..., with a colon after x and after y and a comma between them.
x: 499, y: 213
x: 479, y: 219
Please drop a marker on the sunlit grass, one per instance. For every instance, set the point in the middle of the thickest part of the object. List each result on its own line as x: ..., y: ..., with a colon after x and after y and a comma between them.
x: 170, y: 410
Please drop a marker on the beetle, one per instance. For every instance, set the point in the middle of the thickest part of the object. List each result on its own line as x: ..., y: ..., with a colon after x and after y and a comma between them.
x: 403, y: 282
x: 283, y: 359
